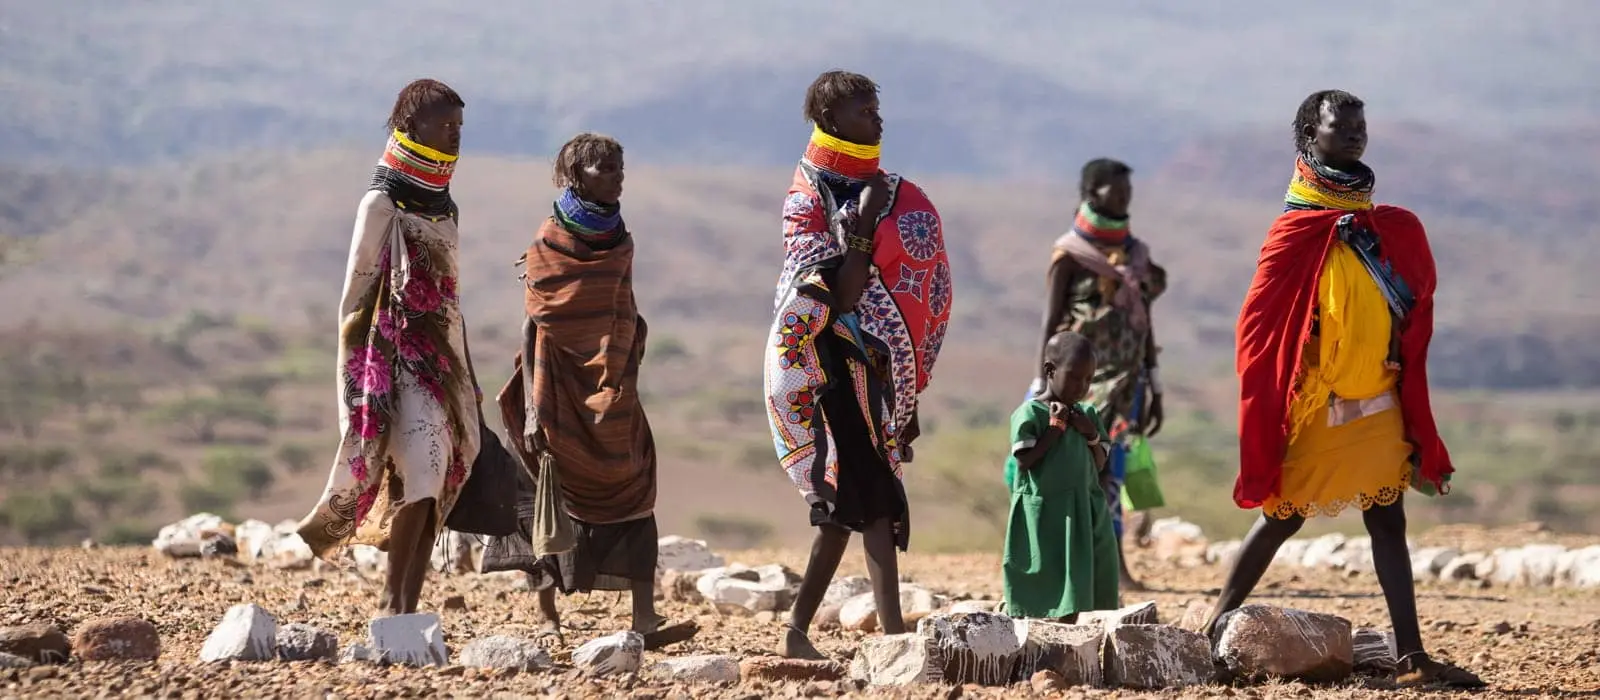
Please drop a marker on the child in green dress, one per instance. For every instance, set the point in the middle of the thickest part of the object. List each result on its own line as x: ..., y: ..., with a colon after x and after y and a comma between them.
x: 1061, y: 554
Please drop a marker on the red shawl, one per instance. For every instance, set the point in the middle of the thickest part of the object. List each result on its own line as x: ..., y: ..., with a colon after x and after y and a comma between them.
x: 1276, y: 321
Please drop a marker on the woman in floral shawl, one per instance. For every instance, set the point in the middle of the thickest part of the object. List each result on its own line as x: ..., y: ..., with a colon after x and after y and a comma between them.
x: 862, y: 308
x: 408, y: 400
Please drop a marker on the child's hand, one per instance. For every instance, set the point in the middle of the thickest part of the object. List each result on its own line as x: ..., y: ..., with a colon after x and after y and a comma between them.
x: 1059, y: 415
x: 1082, y: 423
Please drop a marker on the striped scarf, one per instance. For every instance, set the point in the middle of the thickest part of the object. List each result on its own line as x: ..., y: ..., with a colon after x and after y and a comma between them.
x: 1098, y: 227
x: 416, y: 177
x: 1318, y: 186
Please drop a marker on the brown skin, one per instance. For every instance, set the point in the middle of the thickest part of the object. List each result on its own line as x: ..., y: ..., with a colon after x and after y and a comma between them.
x: 597, y: 182
x: 414, y: 526
x: 1339, y: 139
x: 854, y: 119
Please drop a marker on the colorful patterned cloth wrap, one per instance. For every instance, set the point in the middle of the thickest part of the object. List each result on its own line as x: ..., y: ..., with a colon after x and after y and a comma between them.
x: 891, y: 340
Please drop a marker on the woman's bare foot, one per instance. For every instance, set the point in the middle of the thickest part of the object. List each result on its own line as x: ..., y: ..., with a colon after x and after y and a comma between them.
x: 1418, y: 670
x: 795, y: 645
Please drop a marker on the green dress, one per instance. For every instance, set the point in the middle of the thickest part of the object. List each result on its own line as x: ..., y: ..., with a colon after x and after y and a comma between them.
x: 1061, y: 555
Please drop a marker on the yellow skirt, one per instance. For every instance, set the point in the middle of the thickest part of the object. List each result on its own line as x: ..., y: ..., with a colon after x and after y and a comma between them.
x: 1362, y: 463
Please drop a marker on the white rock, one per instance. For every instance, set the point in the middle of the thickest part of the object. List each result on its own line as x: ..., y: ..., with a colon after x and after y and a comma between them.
x: 1528, y: 565
x: 355, y: 653
x: 411, y: 640
x: 676, y: 553
x: 897, y: 660
x: 255, y: 539
x: 1223, y: 553
x: 501, y: 651
x: 711, y: 668
x: 1179, y: 527
x: 1151, y: 657
x: 1373, y: 650
x: 368, y: 558
x: 616, y: 654
x: 1584, y: 568
x: 291, y: 553
x: 739, y: 589
x: 1357, y: 556
x: 246, y: 633
x: 1320, y: 552
x: 1428, y: 562
x: 185, y: 537
x: 980, y: 648
x: 975, y: 606
x: 861, y: 612
x: 1073, y: 651
x: 1136, y: 614
x: 1462, y: 568
x: 844, y: 588
x: 1262, y: 641
x: 1292, y: 553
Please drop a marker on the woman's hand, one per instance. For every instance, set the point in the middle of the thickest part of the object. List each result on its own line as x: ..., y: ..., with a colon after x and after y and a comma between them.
x: 873, y: 198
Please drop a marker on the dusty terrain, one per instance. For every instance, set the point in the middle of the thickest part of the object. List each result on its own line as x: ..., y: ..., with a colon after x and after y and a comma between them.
x: 1549, y: 645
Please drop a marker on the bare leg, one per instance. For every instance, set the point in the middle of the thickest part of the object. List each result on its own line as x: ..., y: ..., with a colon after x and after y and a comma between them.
x: 826, y: 552
x: 551, y: 617
x: 1255, y: 555
x: 422, y: 558
x: 1391, y: 557
x: 883, y: 567
x: 406, y: 531
x: 645, y: 619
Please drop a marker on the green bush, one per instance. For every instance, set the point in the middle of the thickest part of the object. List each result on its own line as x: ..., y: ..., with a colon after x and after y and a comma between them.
x: 125, y: 533
x: 297, y: 457
x: 236, y: 470
x: 733, y: 531
x: 200, y: 497
x: 202, y: 415
x: 40, y: 517
x: 27, y: 460
x: 116, y: 464
x: 666, y: 348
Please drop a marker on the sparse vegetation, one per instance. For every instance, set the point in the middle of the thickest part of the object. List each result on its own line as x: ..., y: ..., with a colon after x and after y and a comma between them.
x: 733, y: 531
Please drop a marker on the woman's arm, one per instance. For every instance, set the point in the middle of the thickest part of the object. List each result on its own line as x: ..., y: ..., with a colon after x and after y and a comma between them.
x: 1055, y: 307
x: 859, y: 242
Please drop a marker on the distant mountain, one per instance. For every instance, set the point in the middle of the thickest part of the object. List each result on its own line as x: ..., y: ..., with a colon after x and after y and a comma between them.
x: 974, y: 87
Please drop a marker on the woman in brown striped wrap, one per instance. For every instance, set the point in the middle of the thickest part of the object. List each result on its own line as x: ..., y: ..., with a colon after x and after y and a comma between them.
x: 580, y: 402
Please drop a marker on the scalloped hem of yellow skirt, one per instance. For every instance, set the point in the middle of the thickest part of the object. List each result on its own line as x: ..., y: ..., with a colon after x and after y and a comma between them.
x: 1386, y: 496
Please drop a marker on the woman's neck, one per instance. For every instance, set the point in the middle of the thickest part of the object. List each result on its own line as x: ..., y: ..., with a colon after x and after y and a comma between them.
x: 840, y: 157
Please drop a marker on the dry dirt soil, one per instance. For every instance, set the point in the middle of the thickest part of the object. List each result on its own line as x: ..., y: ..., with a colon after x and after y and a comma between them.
x: 1552, y: 649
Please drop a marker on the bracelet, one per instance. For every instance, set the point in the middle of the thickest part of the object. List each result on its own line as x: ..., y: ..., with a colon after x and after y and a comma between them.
x: 860, y: 243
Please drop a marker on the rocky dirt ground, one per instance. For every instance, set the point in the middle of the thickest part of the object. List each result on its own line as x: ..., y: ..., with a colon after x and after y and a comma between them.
x: 1525, y: 642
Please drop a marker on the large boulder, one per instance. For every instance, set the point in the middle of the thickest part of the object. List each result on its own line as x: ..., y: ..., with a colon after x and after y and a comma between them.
x: 1136, y: 614
x: 744, y: 590
x: 1261, y: 641
x: 197, y: 535
x: 1152, y: 657
x: 676, y: 553
x: 1372, y: 650
x: 981, y: 648
x: 1072, y: 652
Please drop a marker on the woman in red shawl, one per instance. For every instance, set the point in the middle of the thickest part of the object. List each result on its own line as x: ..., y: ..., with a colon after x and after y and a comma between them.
x: 1332, y: 358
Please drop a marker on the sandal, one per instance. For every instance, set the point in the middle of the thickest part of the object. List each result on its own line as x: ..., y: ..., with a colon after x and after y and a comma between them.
x: 666, y: 635
x: 1418, y: 670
